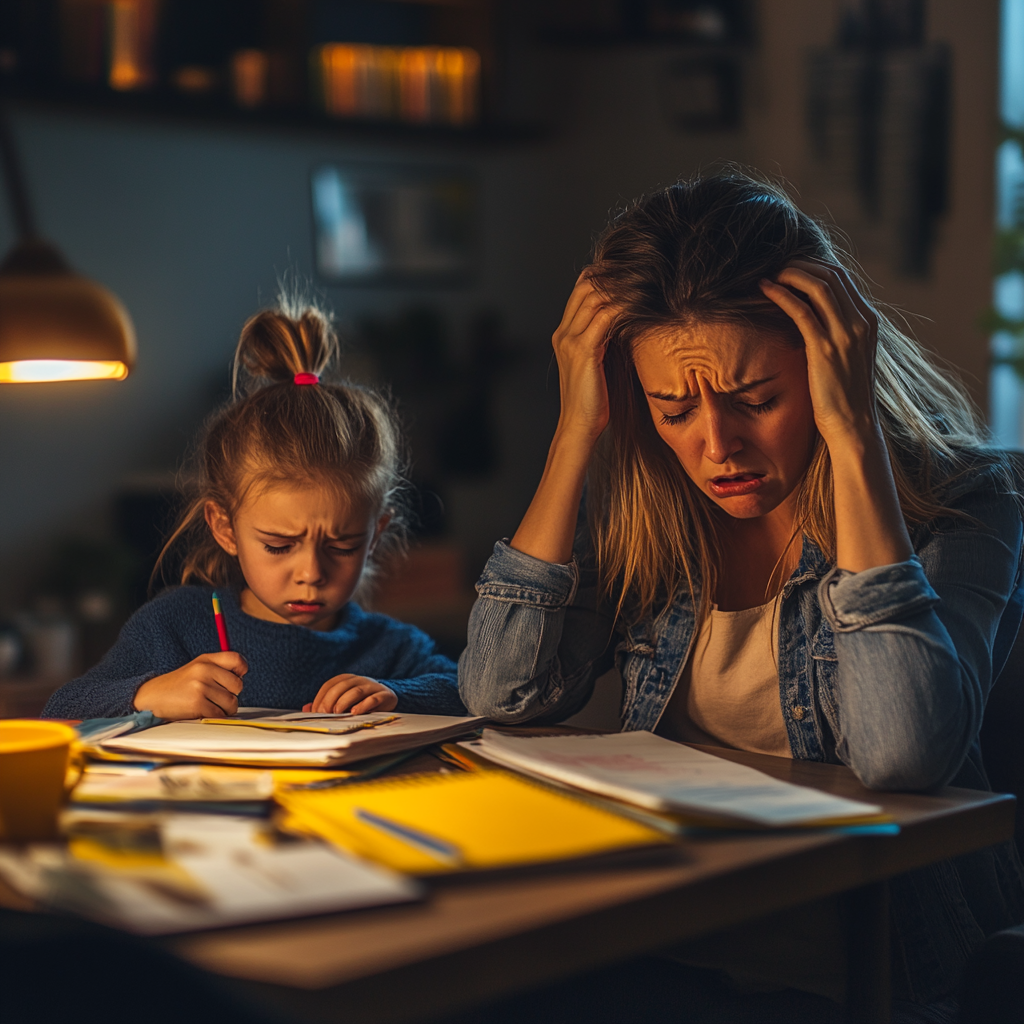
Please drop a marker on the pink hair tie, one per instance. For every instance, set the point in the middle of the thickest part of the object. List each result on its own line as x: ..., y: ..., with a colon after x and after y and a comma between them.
x: 306, y: 378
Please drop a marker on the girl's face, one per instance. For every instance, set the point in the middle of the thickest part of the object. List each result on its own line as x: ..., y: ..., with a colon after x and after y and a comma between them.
x: 735, y: 408
x: 302, y: 550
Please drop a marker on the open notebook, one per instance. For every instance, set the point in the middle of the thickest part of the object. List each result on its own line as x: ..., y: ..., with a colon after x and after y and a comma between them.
x: 431, y: 824
x: 652, y: 772
x: 299, y: 739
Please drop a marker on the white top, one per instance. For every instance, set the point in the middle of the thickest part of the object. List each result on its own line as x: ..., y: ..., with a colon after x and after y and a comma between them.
x: 728, y: 694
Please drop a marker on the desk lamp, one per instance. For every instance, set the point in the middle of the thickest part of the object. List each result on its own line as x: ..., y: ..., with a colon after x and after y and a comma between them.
x: 54, y: 323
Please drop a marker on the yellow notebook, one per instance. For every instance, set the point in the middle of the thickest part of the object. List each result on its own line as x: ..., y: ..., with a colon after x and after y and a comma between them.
x: 436, y: 823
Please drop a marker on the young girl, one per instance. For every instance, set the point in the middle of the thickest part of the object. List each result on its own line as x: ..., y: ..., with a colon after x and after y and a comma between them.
x: 300, y: 490
x: 796, y: 541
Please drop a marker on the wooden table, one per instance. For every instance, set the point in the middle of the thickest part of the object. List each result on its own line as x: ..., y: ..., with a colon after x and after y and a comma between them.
x: 476, y: 941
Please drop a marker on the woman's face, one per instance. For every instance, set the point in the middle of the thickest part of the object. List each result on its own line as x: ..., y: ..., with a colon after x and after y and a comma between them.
x: 735, y: 408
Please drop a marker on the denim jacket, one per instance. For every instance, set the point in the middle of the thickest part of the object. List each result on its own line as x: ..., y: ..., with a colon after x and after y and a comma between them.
x: 885, y: 670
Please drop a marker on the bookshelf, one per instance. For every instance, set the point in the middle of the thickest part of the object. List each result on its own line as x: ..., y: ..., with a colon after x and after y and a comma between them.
x: 387, y: 70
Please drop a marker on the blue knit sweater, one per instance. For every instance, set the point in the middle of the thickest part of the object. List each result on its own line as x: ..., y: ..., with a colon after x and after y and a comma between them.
x: 287, y: 664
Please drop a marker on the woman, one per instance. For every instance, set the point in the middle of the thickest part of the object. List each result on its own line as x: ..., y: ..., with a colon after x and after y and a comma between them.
x: 795, y: 538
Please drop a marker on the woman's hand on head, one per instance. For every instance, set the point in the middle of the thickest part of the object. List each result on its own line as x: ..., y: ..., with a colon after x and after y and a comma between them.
x: 207, y: 687
x: 840, y: 332
x: 357, y: 694
x: 579, y: 343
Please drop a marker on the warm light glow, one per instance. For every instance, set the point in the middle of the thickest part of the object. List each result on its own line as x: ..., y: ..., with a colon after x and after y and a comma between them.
x: 38, y: 371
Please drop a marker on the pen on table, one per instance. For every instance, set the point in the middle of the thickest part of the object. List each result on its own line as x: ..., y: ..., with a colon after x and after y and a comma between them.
x: 431, y: 845
x: 218, y: 617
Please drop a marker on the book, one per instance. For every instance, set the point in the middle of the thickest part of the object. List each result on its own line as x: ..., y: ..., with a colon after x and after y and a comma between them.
x: 439, y: 823
x: 295, y: 739
x: 666, y: 777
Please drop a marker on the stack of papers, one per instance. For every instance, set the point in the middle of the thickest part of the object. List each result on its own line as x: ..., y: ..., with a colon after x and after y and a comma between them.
x: 298, y: 739
x: 181, y: 787
x: 648, y: 771
x: 201, y: 871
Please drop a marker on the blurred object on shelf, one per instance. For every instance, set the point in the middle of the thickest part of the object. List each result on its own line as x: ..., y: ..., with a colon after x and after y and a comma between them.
x: 356, y: 80
x: 701, y: 94
x: 131, y: 43
x: 428, y: 589
x: 394, y: 223
x: 195, y: 80
x: 419, y: 84
x: 249, y: 71
x: 423, y: 63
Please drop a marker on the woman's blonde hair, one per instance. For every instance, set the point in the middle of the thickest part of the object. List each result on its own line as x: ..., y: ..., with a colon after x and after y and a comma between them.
x: 274, y: 431
x: 693, y: 254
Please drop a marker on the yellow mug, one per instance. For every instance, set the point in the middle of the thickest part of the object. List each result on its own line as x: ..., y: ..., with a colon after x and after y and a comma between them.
x: 34, y: 760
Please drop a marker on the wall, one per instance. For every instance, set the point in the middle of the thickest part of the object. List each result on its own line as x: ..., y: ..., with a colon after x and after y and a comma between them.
x: 192, y: 226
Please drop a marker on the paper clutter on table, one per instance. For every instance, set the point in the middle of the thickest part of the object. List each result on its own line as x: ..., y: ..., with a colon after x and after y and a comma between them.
x: 193, y: 872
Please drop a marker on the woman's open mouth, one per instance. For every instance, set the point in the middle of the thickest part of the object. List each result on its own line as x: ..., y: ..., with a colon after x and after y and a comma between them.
x: 735, y: 484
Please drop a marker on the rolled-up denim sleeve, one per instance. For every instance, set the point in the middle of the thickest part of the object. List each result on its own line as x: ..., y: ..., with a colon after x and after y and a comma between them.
x: 914, y: 645
x: 536, y: 641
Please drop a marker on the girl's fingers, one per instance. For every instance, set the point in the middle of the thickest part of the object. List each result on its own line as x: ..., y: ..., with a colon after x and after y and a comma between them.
x: 220, y: 698
x: 226, y: 680
x: 348, y: 700
x: 368, y: 704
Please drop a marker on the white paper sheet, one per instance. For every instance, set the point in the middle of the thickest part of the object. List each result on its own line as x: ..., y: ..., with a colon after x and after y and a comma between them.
x: 654, y: 772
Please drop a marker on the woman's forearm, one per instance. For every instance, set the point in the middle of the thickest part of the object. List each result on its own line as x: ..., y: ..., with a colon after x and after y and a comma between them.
x: 549, y: 526
x: 870, y: 529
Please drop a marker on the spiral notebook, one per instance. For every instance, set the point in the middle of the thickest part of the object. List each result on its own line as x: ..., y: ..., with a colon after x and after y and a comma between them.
x: 433, y: 824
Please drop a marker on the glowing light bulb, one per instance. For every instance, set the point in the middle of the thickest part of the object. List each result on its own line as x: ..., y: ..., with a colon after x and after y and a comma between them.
x: 38, y: 371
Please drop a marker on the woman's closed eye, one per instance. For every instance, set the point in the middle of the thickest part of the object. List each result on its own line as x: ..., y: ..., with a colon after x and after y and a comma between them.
x: 276, y: 549
x: 759, y: 408
x: 668, y: 418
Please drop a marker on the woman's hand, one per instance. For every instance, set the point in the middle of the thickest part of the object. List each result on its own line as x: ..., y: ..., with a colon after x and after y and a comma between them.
x: 579, y: 343
x: 358, y: 694
x: 840, y: 332
x: 207, y: 687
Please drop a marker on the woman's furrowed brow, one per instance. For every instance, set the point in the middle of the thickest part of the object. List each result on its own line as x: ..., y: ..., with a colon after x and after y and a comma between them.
x: 664, y: 396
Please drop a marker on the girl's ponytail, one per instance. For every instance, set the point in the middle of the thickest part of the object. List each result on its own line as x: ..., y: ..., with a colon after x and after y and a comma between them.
x: 274, y: 348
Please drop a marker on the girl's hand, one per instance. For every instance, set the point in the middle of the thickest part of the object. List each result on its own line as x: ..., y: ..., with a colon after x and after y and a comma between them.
x: 579, y: 344
x: 207, y: 687
x: 840, y: 332
x: 357, y: 694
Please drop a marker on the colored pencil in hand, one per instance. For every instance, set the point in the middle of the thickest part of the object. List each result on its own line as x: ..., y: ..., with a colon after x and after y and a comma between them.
x: 218, y: 617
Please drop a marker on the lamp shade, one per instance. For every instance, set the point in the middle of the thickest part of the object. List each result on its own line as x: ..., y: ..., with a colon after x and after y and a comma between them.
x: 56, y: 325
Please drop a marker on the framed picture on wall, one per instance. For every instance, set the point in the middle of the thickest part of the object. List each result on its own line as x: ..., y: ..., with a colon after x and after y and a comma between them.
x: 394, y: 224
